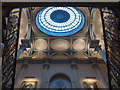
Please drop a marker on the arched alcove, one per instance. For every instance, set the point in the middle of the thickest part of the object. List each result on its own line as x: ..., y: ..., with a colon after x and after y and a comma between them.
x: 60, y: 56
x: 60, y: 81
x: 97, y: 27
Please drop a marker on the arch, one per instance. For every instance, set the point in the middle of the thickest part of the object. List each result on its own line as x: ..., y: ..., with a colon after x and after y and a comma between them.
x: 61, y: 76
x: 52, y: 55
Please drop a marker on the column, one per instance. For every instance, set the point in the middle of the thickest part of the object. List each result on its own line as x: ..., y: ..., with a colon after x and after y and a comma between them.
x: 21, y: 73
x: 101, y: 78
x: 44, y: 81
x: 76, y: 82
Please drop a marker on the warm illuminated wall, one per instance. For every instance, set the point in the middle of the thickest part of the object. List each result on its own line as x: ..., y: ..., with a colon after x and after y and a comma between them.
x: 83, y: 71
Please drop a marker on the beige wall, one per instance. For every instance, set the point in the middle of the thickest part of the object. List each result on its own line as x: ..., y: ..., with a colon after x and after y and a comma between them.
x: 37, y: 71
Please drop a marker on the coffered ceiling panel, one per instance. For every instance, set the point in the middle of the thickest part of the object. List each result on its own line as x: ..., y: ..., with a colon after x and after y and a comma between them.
x: 60, y: 44
x: 40, y: 44
x: 79, y: 44
x: 97, y: 23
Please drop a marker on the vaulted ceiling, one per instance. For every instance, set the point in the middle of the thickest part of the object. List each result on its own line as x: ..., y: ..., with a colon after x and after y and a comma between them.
x: 75, y: 44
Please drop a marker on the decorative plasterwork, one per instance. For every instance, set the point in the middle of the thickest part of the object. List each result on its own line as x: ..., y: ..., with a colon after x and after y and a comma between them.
x: 79, y: 44
x: 60, y: 44
x: 40, y: 44
x: 97, y: 23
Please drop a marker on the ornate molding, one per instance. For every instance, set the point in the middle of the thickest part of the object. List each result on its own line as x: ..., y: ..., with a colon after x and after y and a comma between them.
x: 61, y: 61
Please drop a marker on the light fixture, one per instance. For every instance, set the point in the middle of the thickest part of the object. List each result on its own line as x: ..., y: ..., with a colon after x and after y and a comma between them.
x: 90, y: 80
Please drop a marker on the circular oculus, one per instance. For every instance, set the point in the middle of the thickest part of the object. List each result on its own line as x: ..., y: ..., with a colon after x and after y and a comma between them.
x: 60, y: 21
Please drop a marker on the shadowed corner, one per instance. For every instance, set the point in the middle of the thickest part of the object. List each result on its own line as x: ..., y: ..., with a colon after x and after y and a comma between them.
x: 1, y: 45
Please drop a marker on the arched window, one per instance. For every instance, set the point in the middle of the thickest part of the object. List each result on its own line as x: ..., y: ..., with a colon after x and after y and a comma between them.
x: 60, y: 81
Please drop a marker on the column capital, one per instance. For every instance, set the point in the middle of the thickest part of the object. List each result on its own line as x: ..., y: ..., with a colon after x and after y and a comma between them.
x: 25, y: 64
x: 95, y: 64
x: 73, y: 59
x: 74, y: 65
x: 46, y: 64
x: 73, y: 62
x: 46, y: 59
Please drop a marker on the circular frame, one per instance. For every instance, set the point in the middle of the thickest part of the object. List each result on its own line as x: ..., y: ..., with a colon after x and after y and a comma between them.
x: 48, y: 26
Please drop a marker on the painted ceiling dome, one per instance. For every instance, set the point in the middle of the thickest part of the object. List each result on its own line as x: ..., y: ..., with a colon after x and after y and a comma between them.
x: 59, y: 21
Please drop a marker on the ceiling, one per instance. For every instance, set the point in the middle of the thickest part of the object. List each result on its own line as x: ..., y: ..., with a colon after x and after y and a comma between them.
x: 75, y: 44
